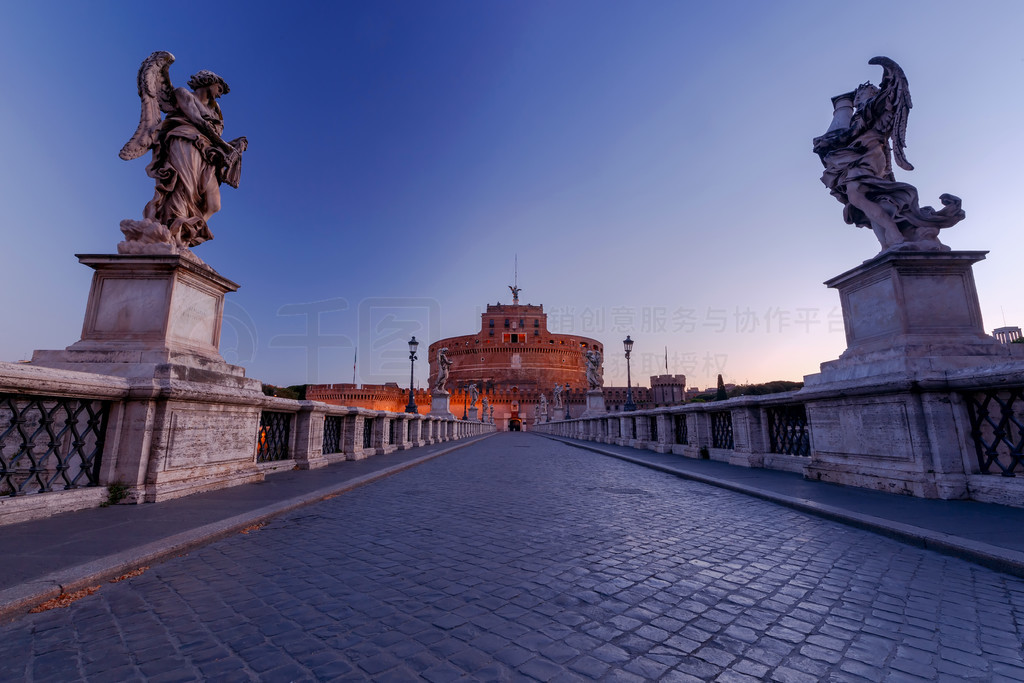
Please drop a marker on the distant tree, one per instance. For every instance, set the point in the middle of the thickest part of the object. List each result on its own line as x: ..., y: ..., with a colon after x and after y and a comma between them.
x: 721, y: 395
x: 299, y: 390
x: 280, y: 392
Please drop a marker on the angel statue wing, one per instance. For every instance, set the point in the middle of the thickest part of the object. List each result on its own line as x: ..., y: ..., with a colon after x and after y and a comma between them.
x: 895, y: 91
x: 157, y: 96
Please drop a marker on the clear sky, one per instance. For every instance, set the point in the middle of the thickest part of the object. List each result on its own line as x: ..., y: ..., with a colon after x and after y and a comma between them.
x: 650, y: 163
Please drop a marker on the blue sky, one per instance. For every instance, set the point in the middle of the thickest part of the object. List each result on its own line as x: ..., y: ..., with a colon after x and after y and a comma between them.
x: 650, y: 163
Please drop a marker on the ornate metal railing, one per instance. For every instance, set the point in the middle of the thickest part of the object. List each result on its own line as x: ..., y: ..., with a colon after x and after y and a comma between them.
x: 652, y: 422
x: 721, y: 429
x: 788, y: 431
x: 50, y: 442
x: 332, y: 434
x: 274, y: 435
x: 679, y: 422
x: 997, y: 428
x: 368, y: 432
x: 632, y: 428
x: 391, y: 431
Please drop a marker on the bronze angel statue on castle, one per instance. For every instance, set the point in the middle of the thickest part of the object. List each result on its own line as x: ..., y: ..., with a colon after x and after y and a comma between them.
x: 858, y: 165
x: 190, y: 158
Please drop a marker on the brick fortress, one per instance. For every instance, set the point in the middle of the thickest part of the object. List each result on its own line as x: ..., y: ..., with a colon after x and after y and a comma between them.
x: 514, y: 359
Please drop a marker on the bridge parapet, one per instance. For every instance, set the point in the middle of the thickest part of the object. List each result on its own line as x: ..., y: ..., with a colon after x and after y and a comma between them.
x: 71, y: 440
x: 961, y: 437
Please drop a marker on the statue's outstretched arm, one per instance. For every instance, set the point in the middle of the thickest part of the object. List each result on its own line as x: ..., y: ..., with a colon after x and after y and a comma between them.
x: 189, y: 106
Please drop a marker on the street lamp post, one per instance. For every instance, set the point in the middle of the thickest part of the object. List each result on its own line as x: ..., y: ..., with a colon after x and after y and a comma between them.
x: 567, y: 401
x: 411, y: 408
x: 465, y: 391
x: 627, y: 344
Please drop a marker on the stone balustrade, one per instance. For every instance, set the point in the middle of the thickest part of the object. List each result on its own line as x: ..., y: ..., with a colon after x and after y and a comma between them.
x: 66, y: 436
x: 958, y: 437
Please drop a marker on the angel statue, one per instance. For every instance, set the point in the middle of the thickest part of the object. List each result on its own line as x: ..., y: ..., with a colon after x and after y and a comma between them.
x: 474, y: 394
x: 484, y: 406
x: 443, y: 367
x: 190, y: 158
x: 594, y: 369
x: 556, y: 395
x: 544, y: 406
x: 858, y: 170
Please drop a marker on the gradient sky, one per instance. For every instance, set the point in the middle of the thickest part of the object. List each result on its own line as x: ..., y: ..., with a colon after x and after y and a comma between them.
x: 650, y: 163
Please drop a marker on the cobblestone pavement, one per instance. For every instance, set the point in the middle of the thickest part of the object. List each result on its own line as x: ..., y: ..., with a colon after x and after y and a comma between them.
x: 523, y: 558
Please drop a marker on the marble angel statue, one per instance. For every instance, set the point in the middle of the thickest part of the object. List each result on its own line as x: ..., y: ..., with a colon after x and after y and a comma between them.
x: 594, y: 369
x: 190, y: 158
x: 857, y: 157
x: 443, y: 368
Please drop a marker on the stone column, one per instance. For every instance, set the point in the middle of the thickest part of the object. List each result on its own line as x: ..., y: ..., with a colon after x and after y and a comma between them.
x: 309, y: 435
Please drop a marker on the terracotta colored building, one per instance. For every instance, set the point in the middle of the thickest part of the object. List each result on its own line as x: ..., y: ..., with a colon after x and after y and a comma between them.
x: 514, y: 359
x: 388, y: 396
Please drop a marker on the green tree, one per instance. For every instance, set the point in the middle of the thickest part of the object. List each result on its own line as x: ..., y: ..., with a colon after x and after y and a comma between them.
x: 721, y: 395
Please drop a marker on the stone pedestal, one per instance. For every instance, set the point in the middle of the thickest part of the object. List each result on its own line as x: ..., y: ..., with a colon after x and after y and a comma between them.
x: 146, y: 311
x: 439, y: 404
x: 190, y: 421
x: 595, y: 404
x: 912, y: 312
x: 884, y: 414
x: 473, y: 415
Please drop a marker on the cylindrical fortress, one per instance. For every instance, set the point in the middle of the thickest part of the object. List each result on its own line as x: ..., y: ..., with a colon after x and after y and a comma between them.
x: 515, y: 352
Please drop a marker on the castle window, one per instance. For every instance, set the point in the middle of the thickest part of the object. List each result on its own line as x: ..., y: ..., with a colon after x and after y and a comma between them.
x: 490, y: 322
x: 506, y: 322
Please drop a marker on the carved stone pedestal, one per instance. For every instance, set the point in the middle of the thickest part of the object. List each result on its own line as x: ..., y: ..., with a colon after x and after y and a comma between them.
x: 439, y: 404
x: 473, y: 414
x: 885, y: 414
x: 146, y: 311
x: 912, y: 312
x: 191, y: 420
x: 595, y: 404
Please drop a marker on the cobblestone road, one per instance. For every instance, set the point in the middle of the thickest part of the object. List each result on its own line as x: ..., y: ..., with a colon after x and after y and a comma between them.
x: 522, y: 558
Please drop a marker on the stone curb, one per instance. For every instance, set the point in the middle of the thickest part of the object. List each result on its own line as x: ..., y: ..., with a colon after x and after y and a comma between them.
x: 985, y: 554
x: 17, y: 600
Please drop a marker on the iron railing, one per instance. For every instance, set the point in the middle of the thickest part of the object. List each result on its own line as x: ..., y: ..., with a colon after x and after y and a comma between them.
x: 368, y: 432
x: 274, y: 436
x: 788, y: 432
x: 652, y: 422
x: 50, y: 442
x: 632, y: 428
x: 332, y: 434
x: 391, y: 431
x: 679, y: 423
x: 997, y: 428
x: 721, y: 429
